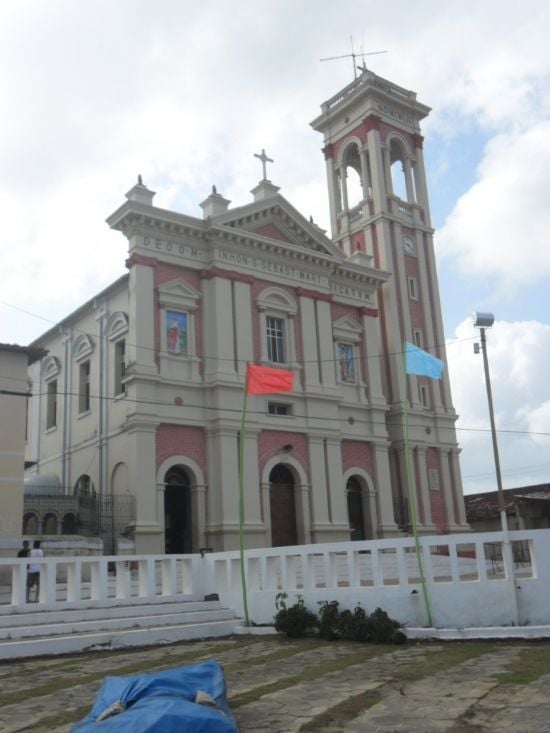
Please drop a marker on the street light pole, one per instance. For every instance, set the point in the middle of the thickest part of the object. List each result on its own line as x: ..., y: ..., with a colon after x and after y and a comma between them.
x: 484, y: 321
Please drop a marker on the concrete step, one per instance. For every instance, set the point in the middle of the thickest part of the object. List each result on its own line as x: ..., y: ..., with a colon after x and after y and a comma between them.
x: 76, y: 643
x: 121, y: 623
x: 34, y: 633
x: 34, y: 614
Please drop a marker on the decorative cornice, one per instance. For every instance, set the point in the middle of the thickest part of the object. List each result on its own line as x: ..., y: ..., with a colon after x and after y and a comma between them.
x: 227, y: 274
x: 137, y: 259
x: 372, y: 312
x: 303, y: 293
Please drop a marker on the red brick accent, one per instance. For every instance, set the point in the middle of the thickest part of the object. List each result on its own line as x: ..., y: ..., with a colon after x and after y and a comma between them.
x: 418, y: 141
x: 358, y: 242
x: 270, y: 443
x: 165, y: 273
x: 270, y: 230
x: 227, y: 274
x: 137, y: 259
x: 357, y: 454
x: 181, y: 440
x: 438, y: 510
x: 303, y: 293
x: 372, y: 122
x: 437, y: 502
x: 372, y: 312
x: 328, y: 151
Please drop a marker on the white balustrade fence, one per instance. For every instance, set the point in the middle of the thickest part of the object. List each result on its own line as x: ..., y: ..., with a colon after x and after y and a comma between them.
x: 467, y: 580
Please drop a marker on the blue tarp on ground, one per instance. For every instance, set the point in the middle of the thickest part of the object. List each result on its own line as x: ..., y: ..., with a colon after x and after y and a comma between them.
x: 163, y: 702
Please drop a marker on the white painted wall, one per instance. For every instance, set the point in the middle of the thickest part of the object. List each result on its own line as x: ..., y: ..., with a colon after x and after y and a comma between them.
x: 466, y: 588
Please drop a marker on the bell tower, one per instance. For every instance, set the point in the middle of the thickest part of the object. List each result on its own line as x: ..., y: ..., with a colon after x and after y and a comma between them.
x: 379, y: 205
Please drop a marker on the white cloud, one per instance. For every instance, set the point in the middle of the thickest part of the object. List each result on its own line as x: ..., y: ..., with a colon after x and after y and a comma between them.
x: 517, y: 354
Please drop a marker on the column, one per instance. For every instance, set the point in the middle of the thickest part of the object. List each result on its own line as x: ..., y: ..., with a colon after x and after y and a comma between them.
x: 343, y: 181
x: 198, y: 516
x: 377, y: 170
x: 142, y: 469
x: 383, y: 484
x: 326, y: 351
x: 420, y: 180
x: 424, y: 489
x: 456, y: 480
x: 387, y: 170
x: 310, y: 342
x: 218, y: 330
x: 372, y: 352
x: 447, y: 488
x: 140, y: 343
x: 408, y: 180
x: 243, y: 325
x: 322, y: 510
x: 365, y: 172
x: 223, y: 472
x: 337, y: 489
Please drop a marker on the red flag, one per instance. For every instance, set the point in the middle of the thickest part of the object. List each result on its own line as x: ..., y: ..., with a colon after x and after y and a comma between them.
x: 265, y: 380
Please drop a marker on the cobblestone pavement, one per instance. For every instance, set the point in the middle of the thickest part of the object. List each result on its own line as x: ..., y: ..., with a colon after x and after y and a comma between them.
x: 277, y: 685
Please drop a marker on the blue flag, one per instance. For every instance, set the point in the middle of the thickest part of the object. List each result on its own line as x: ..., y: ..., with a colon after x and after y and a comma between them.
x: 420, y: 362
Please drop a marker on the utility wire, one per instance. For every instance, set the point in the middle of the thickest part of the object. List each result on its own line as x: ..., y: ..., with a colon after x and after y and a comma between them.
x: 207, y: 408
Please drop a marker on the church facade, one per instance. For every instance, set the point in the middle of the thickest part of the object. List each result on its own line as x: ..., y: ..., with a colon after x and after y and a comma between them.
x: 142, y: 389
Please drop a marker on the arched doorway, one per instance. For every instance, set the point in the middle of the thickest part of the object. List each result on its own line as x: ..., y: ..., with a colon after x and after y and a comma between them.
x: 177, y: 511
x: 282, y: 507
x: 355, y: 509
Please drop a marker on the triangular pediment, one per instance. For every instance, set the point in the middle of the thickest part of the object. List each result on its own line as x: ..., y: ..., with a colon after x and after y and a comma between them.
x: 178, y: 294
x: 347, y: 329
x: 278, y: 220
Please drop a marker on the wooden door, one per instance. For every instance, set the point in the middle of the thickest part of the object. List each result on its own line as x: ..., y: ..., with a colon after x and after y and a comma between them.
x: 282, y: 507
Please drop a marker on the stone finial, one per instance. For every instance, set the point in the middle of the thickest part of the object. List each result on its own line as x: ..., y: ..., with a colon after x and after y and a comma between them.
x: 140, y: 193
x: 214, y: 205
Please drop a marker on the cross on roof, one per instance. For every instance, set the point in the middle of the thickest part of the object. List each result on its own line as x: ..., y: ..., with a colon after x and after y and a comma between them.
x: 263, y: 157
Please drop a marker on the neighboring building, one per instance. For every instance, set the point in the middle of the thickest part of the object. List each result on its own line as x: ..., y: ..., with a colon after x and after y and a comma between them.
x: 527, y: 507
x: 142, y: 388
x: 14, y: 361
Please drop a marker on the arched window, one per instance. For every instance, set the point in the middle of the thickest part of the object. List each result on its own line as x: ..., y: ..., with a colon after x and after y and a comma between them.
x: 30, y: 523
x: 353, y: 183
x: 49, y: 524
x: 69, y: 524
x: 397, y: 163
x: 84, y: 486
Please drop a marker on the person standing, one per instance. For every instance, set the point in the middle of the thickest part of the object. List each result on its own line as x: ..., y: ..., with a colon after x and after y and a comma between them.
x: 33, y: 571
x: 24, y: 551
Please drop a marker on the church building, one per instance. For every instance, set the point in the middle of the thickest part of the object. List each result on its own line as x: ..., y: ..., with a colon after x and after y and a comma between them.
x: 142, y: 388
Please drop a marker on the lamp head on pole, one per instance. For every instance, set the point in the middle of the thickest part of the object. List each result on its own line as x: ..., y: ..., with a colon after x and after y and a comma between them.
x: 483, y: 320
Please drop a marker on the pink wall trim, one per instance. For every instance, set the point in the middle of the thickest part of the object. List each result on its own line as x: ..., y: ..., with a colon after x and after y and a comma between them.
x: 357, y: 454
x: 181, y: 440
x: 270, y: 443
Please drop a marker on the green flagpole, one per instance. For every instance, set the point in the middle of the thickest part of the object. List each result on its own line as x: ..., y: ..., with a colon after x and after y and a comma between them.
x: 411, y: 493
x: 241, y: 501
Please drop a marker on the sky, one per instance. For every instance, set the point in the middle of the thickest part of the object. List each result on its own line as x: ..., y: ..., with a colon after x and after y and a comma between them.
x: 185, y: 93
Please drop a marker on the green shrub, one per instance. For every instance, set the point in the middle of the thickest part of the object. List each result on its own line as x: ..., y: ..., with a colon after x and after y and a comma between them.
x: 294, y: 621
x: 297, y: 621
x: 384, y: 630
x: 329, y: 617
